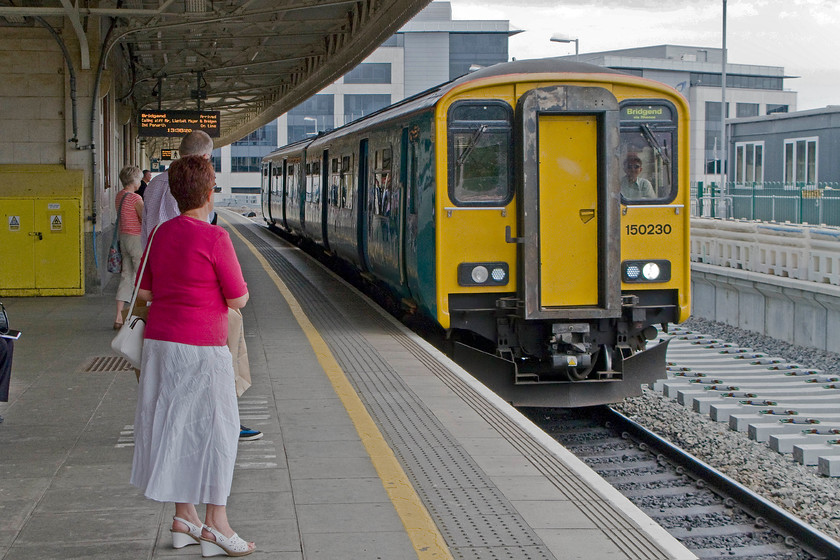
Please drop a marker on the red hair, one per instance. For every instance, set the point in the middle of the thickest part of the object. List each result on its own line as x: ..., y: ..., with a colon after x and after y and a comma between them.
x: 191, y: 179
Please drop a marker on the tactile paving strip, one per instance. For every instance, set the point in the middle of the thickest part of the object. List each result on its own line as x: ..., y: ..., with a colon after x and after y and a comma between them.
x: 476, y: 520
x: 445, y: 476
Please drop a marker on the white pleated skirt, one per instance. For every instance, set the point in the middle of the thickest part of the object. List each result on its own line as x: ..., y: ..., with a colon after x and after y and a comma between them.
x: 186, y: 426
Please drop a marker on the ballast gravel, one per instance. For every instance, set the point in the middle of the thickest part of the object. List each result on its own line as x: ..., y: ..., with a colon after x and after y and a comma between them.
x: 800, y: 490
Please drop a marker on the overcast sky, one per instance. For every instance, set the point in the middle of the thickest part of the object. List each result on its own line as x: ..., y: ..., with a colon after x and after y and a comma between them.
x: 803, y: 36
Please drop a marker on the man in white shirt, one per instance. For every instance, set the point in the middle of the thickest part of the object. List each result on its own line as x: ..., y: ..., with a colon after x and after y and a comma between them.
x: 159, y: 204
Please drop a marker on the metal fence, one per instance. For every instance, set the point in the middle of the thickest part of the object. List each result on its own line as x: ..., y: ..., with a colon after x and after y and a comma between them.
x: 769, y: 202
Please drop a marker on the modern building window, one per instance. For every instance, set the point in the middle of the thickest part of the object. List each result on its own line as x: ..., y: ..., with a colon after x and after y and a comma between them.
x: 395, y: 40
x: 216, y: 160
x: 245, y: 164
x: 801, y: 162
x: 369, y: 73
x: 776, y: 108
x: 357, y: 105
x: 311, y: 117
x: 746, y: 110
x: 266, y: 135
x: 749, y: 164
x: 482, y: 49
x: 712, y: 79
x: 246, y: 154
x: 712, y: 144
x: 632, y: 71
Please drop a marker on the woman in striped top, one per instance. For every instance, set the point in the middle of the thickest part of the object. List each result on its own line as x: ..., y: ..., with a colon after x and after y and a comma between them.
x: 129, y: 204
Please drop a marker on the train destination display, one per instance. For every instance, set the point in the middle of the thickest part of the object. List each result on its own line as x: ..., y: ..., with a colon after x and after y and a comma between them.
x: 178, y: 123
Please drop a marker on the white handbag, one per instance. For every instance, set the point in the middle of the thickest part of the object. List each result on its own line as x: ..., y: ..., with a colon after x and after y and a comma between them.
x: 129, y: 340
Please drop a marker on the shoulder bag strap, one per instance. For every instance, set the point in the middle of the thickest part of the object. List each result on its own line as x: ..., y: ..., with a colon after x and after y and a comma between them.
x: 117, y: 223
x: 142, y: 269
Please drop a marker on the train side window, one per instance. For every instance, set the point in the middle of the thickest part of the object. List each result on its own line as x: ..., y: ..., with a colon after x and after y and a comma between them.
x: 291, y: 184
x: 346, y: 182
x: 316, y: 182
x: 480, y: 153
x: 647, y: 151
x: 335, y: 168
x: 382, y: 198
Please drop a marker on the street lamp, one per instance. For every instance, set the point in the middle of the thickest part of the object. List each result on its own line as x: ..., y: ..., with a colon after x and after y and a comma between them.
x: 563, y: 38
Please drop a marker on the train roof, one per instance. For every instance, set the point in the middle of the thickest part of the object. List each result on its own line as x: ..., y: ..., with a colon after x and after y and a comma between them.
x: 431, y: 96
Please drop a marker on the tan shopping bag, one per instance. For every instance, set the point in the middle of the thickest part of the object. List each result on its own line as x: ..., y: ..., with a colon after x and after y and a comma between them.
x: 236, y: 343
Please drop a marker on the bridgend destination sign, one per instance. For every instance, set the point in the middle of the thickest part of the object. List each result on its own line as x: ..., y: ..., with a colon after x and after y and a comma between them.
x: 175, y: 124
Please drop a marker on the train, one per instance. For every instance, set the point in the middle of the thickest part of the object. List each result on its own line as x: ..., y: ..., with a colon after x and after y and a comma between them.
x: 536, y: 211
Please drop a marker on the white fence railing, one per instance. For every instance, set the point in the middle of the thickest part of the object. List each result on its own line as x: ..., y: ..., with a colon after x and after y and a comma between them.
x: 801, y: 252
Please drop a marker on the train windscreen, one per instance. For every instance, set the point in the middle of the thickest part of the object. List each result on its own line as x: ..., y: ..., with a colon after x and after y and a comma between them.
x: 648, y: 166
x: 480, y: 153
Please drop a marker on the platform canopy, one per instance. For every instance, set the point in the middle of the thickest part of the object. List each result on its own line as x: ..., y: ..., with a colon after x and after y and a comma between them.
x: 251, y: 60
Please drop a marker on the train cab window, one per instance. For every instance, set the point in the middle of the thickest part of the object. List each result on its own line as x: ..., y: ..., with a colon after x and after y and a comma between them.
x: 647, y: 148
x: 480, y: 153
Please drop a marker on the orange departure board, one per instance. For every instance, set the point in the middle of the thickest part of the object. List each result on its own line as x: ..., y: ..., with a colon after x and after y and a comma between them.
x: 174, y: 124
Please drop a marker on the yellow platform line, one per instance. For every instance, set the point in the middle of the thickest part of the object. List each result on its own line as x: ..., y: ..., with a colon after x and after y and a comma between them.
x: 421, y: 529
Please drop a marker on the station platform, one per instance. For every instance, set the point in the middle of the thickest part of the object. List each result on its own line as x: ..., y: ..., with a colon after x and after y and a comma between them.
x: 375, y: 446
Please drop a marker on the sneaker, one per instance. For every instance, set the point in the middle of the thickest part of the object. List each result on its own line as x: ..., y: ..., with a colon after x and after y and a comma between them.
x: 247, y: 434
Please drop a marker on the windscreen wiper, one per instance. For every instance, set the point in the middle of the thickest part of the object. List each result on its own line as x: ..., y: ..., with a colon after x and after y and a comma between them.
x: 471, y: 144
x: 646, y: 132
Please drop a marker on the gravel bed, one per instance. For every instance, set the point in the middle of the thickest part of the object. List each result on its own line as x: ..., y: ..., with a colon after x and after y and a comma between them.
x: 798, y: 489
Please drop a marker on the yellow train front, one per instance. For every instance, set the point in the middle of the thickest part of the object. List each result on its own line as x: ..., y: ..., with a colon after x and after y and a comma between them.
x: 536, y: 210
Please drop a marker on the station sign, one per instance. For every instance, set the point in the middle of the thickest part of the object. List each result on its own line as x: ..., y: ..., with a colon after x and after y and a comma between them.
x: 175, y: 124
x: 168, y: 153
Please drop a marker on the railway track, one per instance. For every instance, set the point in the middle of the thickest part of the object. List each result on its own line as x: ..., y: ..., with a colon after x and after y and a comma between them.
x: 709, y: 513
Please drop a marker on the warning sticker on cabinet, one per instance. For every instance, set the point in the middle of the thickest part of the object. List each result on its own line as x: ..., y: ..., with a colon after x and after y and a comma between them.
x: 14, y: 223
x: 56, y: 223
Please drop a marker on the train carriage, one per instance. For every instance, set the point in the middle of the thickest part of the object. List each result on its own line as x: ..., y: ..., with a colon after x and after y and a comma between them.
x: 535, y: 210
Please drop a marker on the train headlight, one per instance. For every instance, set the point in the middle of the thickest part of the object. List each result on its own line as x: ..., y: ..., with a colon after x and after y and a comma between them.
x: 483, y: 274
x: 479, y: 274
x: 652, y: 271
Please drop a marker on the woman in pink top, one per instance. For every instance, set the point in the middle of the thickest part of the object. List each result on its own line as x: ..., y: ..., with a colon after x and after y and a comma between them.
x: 186, y: 427
x: 129, y: 205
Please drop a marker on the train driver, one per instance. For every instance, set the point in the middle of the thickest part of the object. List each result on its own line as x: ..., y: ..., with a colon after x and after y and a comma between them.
x: 634, y: 187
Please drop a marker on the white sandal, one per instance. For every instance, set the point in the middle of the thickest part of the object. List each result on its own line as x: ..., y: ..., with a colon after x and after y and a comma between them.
x: 224, y: 546
x: 181, y: 539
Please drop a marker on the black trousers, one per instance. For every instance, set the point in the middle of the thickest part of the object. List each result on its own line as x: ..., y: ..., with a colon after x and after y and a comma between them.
x: 7, y: 347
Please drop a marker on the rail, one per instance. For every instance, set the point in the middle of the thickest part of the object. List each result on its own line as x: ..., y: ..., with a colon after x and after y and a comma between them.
x: 810, y: 539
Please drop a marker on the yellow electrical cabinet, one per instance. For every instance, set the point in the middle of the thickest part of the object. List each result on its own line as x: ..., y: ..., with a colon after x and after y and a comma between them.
x: 41, y: 233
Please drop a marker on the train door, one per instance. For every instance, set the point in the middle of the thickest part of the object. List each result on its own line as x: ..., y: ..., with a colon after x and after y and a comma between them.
x: 362, y: 206
x: 265, y: 192
x: 405, y: 175
x: 283, y: 190
x: 569, y: 215
x: 325, y: 197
